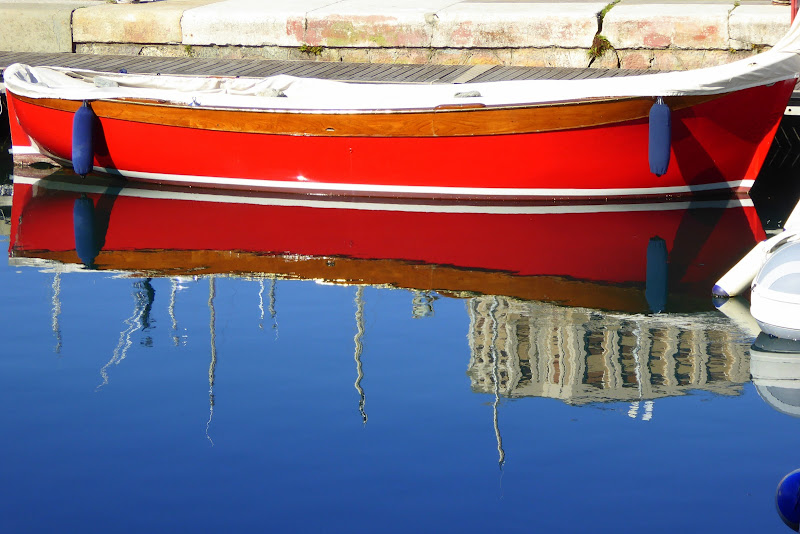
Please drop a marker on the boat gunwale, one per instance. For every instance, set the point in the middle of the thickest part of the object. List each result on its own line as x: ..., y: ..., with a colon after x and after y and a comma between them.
x: 466, y: 120
x: 441, y: 108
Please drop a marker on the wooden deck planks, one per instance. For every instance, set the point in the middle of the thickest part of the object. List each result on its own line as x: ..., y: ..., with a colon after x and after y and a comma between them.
x: 359, y: 72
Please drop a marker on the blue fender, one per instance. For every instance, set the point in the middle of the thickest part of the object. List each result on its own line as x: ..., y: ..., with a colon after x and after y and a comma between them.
x: 787, y: 499
x: 656, y: 281
x: 82, y: 145
x: 83, y: 223
x: 660, y: 141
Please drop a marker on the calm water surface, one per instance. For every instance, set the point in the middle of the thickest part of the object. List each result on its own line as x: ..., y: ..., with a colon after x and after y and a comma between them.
x: 188, y: 398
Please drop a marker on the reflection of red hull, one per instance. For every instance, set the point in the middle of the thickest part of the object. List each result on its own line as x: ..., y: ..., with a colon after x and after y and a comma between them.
x: 718, y: 143
x: 177, y: 231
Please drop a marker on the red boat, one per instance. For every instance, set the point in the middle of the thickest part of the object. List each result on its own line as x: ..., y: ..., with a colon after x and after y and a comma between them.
x: 590, y: 255
x: 664, y: 134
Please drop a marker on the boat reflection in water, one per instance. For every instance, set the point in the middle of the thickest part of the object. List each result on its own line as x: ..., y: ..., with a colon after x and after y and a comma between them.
x: 619, y: 257
x: 775, y: 369
x: 535, y: 277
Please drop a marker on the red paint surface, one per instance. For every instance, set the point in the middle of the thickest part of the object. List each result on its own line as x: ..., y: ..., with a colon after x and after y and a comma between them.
x: 722, y: 140
x: 18, y: 136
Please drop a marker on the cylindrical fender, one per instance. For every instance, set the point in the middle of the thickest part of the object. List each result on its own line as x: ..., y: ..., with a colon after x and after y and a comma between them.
x: 82, y: 145
x: 660, y: 141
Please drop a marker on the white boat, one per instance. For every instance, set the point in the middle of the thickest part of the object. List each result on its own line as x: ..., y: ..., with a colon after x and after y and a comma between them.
x: 775, y: 293
x: 772, y: 272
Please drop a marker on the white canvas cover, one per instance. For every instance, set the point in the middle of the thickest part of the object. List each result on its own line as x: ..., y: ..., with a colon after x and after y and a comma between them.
x: 282, y: 92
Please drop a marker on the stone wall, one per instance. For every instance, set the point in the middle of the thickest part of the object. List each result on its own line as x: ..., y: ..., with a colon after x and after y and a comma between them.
x: 627, y: 34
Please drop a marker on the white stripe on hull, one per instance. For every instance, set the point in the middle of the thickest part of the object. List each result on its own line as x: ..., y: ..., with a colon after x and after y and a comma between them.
x: 366, y: 205
x: 24, y: 150
x: 302, y: 185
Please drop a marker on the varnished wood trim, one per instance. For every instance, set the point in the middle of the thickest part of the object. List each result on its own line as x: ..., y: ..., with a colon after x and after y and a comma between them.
x: 403, y: 123
x: 451, y: 107
x: 393, y: 273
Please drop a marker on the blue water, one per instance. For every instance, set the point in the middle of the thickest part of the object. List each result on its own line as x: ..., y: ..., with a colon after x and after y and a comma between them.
x: 207, y: 412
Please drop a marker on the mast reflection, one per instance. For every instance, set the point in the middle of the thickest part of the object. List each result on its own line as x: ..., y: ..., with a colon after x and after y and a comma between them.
x: 56, y: 312
x: 495, y: 360
x: 358, y: 350
x: 212, y: 366
x: 177, y: 284
x: 143, y: 296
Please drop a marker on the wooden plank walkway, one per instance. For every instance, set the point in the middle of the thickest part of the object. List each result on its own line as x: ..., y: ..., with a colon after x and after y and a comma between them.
x: 353, y: 72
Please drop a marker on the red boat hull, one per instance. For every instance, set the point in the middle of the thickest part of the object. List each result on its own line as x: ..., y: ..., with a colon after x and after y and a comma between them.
x: 717, y: 144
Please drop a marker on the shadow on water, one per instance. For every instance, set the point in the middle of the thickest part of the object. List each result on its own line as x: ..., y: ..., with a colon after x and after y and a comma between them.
x: 777, y: 188
x: 6, y: 163
x: 6, y: 166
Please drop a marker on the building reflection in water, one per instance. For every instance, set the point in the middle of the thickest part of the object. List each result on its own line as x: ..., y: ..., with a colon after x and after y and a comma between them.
x: 534, y: 349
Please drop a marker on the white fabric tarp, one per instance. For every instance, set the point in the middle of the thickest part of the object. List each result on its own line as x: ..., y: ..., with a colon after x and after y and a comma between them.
x: 283, y: 92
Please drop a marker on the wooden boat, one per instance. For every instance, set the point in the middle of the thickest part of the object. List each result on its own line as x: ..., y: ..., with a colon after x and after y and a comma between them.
x: 534, y: 252
x: 703, y: 130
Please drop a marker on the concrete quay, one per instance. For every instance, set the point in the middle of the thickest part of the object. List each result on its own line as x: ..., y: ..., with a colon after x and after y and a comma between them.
x: 658, y: 34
